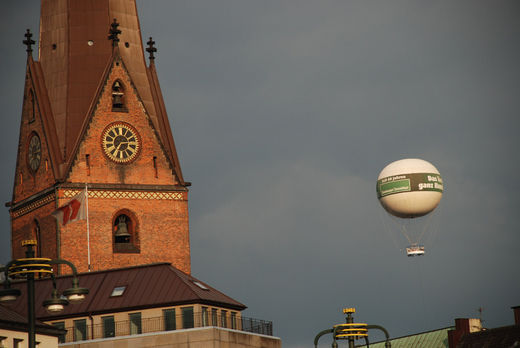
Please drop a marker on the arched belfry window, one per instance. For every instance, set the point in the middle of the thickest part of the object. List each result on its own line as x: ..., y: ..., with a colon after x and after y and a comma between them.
x: 125, y: 232
x: 118, y: 97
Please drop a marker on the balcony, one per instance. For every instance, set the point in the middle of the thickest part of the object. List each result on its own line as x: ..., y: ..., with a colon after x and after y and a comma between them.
x: 83, y: 330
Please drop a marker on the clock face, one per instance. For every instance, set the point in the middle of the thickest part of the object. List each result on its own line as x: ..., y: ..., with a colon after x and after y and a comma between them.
x: 120, y: 142
x: 34, y: 152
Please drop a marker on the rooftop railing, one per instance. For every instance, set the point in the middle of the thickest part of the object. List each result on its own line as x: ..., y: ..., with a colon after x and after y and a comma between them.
x: 83, y: 329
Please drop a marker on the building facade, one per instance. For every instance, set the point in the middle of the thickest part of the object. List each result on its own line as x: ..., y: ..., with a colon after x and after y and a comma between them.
x: 13, y: 331
x: 148, y: 300
x: 98, y: 183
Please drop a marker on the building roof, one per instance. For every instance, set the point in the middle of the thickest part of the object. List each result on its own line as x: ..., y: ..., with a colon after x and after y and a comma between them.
x: 146, y: 286
x: 430, y: 339
x: 11, y: 320
x: 507, y: 336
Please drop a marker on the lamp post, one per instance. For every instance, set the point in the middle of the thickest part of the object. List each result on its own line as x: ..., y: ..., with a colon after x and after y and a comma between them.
x: 26, y: 268
x: 351, y: 331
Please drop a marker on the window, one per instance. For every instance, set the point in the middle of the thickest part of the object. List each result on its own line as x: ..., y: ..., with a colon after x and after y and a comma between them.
x: 80, y: 330
x: 200, y: 285
x: 223, y: 318
x: 60, y: 325
x: 37, y: 237
x: 135, y: 323
x: 187, y: 318
x: 233, y: 320
x: 121, y: 226
x: 118, y: 97
x: 87, y: 163
x: 169, y: 319
x: 17, y: 342
x: 109, y: 326
x: 155, y: 166
x: 214, y: 316
x: 32, y: 107
x: 125, y: 232
x: 118, y: 291
x: 205, y: 321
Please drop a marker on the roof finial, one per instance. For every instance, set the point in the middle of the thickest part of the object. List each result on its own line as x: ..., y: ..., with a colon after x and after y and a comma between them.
x: 150, y: 49
x: 114, y: 32
x: 28, y: 41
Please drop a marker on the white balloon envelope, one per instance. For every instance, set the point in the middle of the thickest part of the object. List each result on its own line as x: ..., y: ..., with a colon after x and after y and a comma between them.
x: 409, y: 188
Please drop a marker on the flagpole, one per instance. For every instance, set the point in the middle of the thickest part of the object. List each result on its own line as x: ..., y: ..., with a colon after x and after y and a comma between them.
x: 88, y: 229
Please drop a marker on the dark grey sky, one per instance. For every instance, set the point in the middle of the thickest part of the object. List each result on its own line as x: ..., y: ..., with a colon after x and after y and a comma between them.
x: 284, y: 112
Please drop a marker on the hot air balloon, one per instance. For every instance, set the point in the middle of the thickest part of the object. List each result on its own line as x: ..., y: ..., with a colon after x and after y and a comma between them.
x: 408, y: 189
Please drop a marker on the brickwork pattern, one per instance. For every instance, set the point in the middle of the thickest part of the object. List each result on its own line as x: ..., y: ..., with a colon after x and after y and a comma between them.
x: 33, y: 205
x: 178, y: 196
x: 162, y: 222
x: 102, y: 170
x: 24, y: 227
x: 28, y: 182
x: 162, y: 217
x: 160, y: 227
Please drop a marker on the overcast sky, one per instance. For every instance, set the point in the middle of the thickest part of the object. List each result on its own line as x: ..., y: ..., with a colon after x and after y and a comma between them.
x: 285, y: 112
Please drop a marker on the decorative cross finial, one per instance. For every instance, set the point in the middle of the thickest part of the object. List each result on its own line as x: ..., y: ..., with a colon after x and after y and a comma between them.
x: 28, y: 41
x: 150, y: 49
x: 114, y: 32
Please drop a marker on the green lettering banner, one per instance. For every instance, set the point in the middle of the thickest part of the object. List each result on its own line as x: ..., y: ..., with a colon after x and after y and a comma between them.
x: 409, y: 182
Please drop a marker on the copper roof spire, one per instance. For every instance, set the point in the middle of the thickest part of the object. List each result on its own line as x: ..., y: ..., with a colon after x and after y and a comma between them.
x: 74, y: 57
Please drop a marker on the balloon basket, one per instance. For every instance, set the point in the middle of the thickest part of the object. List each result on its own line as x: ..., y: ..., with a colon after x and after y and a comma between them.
x: 415, y: 250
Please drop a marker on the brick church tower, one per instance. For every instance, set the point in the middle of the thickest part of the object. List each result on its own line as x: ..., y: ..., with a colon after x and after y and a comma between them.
x: 93, y: 116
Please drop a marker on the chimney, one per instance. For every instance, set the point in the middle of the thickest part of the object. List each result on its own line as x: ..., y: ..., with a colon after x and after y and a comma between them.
x: 463, y: 326
x: 516, y: 310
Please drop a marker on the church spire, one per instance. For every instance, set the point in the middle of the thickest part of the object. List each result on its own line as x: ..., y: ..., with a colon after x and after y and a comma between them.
x: 94, y: 113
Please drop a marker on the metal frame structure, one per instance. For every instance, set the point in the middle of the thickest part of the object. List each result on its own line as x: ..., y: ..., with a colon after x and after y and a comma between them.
x: 351, y: 331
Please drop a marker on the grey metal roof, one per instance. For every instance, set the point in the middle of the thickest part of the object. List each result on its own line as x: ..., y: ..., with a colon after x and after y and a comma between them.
x: 500, y: 337
x: 147, y: 286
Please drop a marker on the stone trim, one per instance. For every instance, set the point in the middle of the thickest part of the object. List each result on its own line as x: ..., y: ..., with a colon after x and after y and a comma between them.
x: 117, y: 194
x: 25, y: 209
x: 99, y: 194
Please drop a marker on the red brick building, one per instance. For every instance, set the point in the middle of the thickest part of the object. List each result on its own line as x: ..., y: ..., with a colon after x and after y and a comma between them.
x: 93, y: 115
x: 94, y: 129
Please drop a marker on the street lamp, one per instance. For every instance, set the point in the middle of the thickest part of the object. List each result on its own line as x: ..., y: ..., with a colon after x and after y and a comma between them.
x: 351, y: 331
x: 25, y: 268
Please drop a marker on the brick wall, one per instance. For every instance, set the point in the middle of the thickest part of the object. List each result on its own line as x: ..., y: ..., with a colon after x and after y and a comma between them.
x: 28, y: 182
x: 24, y: 227
x: 162, y: 227
x: 142, y: 169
